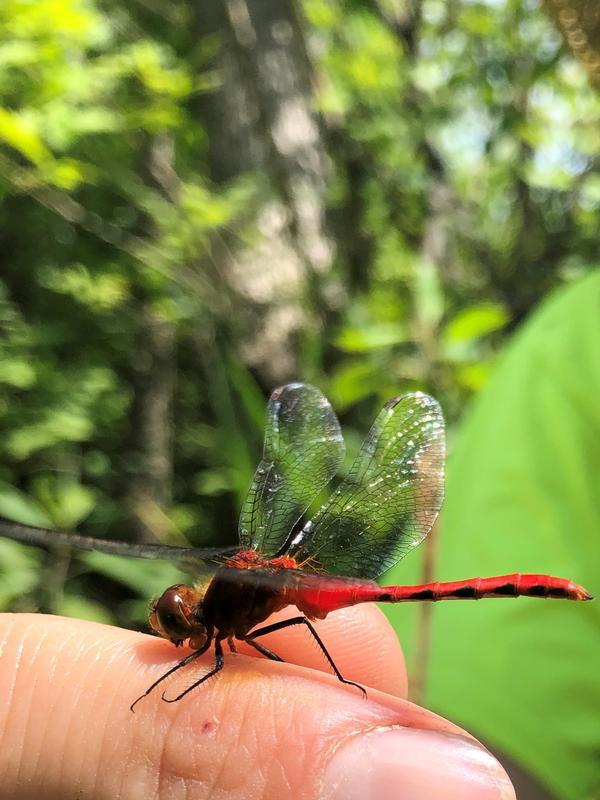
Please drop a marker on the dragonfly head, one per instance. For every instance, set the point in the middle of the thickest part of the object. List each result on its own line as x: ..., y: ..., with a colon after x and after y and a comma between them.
x: 177, y: 615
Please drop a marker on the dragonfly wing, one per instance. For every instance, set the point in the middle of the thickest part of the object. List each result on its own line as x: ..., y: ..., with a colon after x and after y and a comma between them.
x: 390, y: 499
x: 45, y: 537
x: 303, y: 450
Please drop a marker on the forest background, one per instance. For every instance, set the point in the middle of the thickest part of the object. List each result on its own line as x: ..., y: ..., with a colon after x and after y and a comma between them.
x: 202, y: 201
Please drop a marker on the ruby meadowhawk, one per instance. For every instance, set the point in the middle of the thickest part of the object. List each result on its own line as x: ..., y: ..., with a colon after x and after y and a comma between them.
x: 384, y: 507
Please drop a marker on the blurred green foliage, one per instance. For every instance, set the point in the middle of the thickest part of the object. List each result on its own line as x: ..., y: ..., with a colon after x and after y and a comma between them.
x: 463, y: 184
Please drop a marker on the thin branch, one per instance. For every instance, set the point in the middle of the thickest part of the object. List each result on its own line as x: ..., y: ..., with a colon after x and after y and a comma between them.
x: 59, y: 202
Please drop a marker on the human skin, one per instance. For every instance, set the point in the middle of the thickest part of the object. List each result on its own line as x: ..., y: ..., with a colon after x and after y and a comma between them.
x: 259, y: 730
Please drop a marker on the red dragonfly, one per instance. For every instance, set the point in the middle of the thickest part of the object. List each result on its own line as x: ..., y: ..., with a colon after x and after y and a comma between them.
x: 384, y: 508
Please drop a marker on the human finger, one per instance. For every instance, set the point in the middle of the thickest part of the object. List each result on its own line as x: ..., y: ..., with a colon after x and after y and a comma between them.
x: 259, y: 731
x: 360, y: 640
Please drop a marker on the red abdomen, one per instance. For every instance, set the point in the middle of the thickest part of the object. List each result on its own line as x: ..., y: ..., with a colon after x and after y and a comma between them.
x: 318, y: 598
x: 515, y: 585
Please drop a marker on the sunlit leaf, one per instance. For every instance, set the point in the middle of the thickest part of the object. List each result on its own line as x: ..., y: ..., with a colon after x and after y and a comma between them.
x: 350, y: 383
x: 473, y: 376
x: 17, y: 372
x: 59, y: 425
x: 372, y: 337
x: 19, y: 132
x: 20, y: 507
x: 68, y: 502
x: 475, y: 322
x: 19, y: 570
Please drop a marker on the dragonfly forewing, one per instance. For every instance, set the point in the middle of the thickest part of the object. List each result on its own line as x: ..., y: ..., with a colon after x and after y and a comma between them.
x: 390, y: 499
x: 303, y: 450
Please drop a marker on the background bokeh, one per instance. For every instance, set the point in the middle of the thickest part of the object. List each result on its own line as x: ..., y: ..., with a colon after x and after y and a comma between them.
x: 200, y: 201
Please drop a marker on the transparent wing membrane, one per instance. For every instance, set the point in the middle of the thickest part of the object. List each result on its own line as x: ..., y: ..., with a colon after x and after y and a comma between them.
x: 390, y: 499
x: 303, y: 450
x: 383, y: 509
x: 46, y: 537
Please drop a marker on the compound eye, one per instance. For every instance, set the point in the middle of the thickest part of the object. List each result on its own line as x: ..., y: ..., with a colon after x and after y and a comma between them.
x: 171, y: 615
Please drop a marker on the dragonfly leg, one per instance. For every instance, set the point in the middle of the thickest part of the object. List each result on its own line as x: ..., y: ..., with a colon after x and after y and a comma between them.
x: 231, y: 644
x: 262, y: 649
x: 219, y: 663
x: 288, y: 623
x: 177, y: 666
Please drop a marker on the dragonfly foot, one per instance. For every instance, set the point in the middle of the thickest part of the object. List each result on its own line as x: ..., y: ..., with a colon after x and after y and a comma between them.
x: 358, y: 686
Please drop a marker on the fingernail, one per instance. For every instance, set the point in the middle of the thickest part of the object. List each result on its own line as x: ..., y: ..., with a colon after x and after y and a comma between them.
x: 412, y: 764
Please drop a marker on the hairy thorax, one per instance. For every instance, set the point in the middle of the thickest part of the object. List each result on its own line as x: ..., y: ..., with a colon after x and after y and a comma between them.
x: 235, y: 607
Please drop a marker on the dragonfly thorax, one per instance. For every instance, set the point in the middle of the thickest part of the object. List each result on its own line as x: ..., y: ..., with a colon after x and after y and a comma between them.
x: 234, y: 603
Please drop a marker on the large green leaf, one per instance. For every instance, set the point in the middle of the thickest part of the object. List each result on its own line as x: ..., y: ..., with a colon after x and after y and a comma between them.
x: 523, y: 495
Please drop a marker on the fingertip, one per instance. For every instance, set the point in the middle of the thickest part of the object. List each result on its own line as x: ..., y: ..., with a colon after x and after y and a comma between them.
x: 426, y: 764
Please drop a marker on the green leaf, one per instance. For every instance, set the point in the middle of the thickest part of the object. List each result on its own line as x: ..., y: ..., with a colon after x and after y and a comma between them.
x: 523, y: 496
x: 17, y: 372
x: 65, y: 173
x: 214, y: 481
x: 16, y: 505
x: 475, y: 322
x: 19, y: 132
x: 352, y: 382
x: 472, y: 376
x: 373, y: 337
x: 59, y: 425
x: 67, y: 502
x: 73, y: 605
x: 19, y: 570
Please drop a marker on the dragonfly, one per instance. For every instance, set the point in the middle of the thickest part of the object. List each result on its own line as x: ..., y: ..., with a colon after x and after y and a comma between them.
x: 384, y: 507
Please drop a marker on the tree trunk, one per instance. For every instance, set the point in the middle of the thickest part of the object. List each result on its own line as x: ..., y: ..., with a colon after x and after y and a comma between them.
x: 261, y: 120
x: 151, y: 424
